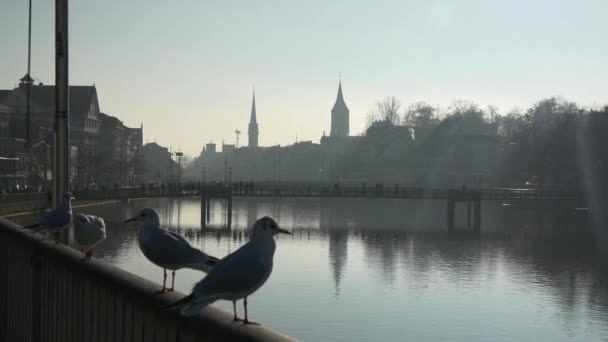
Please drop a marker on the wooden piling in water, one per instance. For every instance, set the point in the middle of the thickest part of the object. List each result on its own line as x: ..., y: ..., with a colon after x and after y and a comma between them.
x: 477, y: 227
x: 451, y: 212
x: 473, y: 202
x: 229, y: 212
x: 203, y: 212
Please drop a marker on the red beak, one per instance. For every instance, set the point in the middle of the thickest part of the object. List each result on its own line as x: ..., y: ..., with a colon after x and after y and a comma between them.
x: 132, y: 219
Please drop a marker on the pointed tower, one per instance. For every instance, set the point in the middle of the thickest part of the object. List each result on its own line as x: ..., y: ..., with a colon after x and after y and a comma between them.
x: 253, y: 126
x: 339, y: 116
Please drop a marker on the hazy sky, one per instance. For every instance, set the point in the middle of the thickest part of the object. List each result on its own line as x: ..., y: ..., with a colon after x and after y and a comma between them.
x: 186, y: 68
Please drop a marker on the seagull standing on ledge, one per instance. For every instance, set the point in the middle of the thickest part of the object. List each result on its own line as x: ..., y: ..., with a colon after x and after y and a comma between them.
x: 239, y: 274
x: 166, y: 249
x: 89, y: 231
x: 57, y: 219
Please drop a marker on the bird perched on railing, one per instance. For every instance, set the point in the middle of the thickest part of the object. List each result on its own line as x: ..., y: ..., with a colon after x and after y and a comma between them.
x: 166, y: 249
x: 57, y: 219
x: 89, y: 231
x: 239, y: 274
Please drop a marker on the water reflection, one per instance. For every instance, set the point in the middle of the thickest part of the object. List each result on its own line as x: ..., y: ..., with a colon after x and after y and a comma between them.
x: 392, y: 265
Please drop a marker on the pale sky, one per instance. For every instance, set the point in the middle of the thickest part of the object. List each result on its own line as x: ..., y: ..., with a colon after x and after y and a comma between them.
x: 186, y: 68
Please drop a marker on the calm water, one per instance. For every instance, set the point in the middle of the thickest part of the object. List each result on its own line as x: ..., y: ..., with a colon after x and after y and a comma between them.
x: 385, y: 270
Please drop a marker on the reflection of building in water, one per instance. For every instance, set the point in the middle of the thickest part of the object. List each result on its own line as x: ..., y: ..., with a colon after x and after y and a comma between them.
x: 381, y: 250
x: 334, y: 222
x: 252, y: 211
x: 338, y: 255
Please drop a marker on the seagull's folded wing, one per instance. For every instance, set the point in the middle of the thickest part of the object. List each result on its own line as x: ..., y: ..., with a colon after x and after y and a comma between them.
x: 238, y: 273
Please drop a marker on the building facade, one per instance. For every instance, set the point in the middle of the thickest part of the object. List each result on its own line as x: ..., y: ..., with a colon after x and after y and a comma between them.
x: 119, y: 151
x: 84, y: 119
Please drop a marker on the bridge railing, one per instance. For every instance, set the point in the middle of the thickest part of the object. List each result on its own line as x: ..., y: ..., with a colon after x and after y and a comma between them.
x: 23, y: 202
x: 333, y: 191
x: 48, y: 294
x: 220, y: 190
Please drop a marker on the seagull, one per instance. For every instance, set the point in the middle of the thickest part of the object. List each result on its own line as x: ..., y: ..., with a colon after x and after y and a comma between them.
x: 57, y: 219
x: 239, y: 274
x: 89, y: 231
x: 166, y: 249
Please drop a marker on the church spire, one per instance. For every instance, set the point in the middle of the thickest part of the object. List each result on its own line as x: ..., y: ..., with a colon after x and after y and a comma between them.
x: 253, y: 118
x: 339, y: 115
x: 253, y: 125
x: 340, y: 103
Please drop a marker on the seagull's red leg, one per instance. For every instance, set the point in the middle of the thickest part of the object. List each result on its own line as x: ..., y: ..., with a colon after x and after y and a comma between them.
x: 236, y: 318
x: 246, y: 320
x: 172, y: 280
x: 164, y: 289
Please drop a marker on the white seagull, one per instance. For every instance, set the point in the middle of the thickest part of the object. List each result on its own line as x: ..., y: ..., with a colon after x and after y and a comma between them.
x: 57, y: 219
x: 166, y: 249
x: 239, y: 274
x: 89, y: 231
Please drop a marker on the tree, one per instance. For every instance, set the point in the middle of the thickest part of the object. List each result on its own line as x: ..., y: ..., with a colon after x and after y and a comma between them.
x: 471, y: 118
x: 467, y: 110
x: 420, y: 114
x: 387, y: 111
x: 422, y: 119
x: 510, y: 124
x: 548, y: 143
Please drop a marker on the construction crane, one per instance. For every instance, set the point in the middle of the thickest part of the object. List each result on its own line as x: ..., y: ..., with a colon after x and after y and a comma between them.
x: 238, y: 133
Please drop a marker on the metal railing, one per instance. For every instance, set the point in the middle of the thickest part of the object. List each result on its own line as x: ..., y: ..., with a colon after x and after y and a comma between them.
x: 48, y: 294
x: 301, y: 191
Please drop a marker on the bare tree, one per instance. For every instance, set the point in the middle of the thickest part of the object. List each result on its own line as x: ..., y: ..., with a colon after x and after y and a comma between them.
x: 420, y: 114
x: 466, y: 109
x: 388, y: 110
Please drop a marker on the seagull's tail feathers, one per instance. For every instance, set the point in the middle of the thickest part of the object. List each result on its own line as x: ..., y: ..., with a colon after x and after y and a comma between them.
x: 38, y: 228
x: 195, y: 307
x: 191, y: 305
x: 179, y: 303
x: 203, y: 262
x: 33, y: 226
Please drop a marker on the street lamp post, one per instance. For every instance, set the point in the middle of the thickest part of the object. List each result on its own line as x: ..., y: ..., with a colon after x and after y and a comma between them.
x: 451, y: 179
x: 225, y: 169
x: 61, y: 165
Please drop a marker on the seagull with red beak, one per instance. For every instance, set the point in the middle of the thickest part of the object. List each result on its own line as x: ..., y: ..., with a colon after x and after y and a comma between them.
x: 166, y: 249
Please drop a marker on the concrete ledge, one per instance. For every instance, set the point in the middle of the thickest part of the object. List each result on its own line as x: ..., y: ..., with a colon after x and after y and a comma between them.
x: 116, y: 285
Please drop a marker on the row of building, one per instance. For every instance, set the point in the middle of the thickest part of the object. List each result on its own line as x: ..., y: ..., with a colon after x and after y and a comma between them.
x: 104, y: 151
x: 453, y: 151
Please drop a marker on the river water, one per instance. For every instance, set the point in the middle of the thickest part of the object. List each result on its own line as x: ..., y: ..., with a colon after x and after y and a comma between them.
x: 386, y: 270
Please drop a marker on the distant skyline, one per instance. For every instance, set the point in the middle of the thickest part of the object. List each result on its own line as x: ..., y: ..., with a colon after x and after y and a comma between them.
x: 187, y: 71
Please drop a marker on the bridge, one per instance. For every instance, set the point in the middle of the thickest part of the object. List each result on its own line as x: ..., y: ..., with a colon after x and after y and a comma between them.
x: 220, y: 191
x: 315, y: 190
x: 209, y: 192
